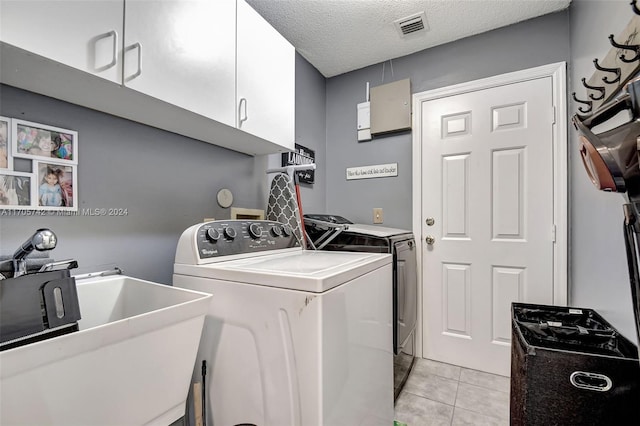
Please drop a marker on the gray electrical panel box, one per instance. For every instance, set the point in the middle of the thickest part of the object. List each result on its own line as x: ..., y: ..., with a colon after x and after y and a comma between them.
x: 391, y: 107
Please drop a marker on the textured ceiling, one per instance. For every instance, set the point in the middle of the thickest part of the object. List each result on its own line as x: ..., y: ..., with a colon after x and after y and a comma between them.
x: 338, y: 36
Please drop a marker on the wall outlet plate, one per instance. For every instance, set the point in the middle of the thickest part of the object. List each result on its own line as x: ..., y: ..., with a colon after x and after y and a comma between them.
x: 378, y: 216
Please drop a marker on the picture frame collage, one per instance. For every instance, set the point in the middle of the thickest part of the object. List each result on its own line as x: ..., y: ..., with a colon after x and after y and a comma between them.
x: 38, y: 166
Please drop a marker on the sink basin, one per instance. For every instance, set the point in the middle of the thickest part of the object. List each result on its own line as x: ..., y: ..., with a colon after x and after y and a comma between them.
x: 129, y: 364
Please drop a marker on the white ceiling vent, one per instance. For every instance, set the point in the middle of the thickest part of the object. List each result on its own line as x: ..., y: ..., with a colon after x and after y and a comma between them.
x: 416, y: 23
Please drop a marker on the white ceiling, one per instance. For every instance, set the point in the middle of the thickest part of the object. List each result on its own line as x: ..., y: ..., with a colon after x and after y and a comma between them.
x: 338, y: 36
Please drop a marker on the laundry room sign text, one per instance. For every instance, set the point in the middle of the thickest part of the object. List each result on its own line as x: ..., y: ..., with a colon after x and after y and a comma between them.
x: 368, y: 172
x: 301, y: 155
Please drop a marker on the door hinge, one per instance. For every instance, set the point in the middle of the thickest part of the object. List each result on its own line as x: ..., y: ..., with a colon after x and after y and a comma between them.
x: 553, y: 233
x: 553, y: 115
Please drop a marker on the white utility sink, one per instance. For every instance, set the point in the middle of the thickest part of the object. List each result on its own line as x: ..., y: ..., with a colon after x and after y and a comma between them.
x: 130, y: 363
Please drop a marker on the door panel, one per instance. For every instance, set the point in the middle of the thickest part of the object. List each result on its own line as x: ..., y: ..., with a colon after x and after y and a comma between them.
x: 457, y: 313
x: 455, y: 200
x: 507, y: 202
x: 487, y: 161
x: 507, y: 285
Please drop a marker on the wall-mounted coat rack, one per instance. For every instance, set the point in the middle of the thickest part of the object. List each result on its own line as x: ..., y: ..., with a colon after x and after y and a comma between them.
x: 620, y: 65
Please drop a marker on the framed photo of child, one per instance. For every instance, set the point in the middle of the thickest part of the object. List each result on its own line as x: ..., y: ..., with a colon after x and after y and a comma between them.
x: 16, y: 190
x: 6, y: 159
x: 39, y: 141
x: 56, y: 186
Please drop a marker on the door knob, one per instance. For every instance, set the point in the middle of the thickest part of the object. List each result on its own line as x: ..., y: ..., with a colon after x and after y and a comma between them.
x: 430, y: 239
x: 430, y: 221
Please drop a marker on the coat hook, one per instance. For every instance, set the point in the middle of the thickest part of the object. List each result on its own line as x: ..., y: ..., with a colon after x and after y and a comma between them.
x: 616, y: 71
x: 589, y: 103
x: 634, y: 47
x: 635, y: 7
x: 600, y: 89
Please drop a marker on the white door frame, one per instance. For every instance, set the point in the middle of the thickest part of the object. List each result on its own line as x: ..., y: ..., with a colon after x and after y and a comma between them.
x: 558, y: 73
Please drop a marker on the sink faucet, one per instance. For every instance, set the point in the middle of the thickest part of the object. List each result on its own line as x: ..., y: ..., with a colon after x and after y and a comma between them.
x: 42, y: 240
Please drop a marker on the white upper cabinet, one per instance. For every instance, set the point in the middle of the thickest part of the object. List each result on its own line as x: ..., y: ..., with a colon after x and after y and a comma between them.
x: 183, y: 52
x: 86, y: 35
x: 199, y: 68
x: 265, y: 79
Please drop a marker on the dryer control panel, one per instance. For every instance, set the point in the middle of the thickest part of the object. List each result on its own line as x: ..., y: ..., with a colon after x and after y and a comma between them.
x: 221, y: 238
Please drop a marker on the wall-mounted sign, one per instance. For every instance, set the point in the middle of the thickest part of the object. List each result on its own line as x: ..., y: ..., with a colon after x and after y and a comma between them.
x: 368, y: 172
x: 301, y: 155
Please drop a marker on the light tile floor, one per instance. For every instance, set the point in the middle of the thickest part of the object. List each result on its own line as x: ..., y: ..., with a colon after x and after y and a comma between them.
x: 445, y: 394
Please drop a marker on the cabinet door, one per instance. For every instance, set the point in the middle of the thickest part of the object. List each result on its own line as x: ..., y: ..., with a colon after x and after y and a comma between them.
x: 82, y: 34
x: 265, y: 79
x: 183, y: 52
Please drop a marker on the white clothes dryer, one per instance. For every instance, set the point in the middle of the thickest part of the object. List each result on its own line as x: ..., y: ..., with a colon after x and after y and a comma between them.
x: 292, y: 337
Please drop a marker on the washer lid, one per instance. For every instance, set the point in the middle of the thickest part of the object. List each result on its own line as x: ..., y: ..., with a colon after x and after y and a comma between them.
x: 376, y: 231
x: 314, y: 271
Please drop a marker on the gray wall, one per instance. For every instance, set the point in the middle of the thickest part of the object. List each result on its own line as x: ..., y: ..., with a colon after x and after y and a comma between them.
x: 310, y: 132
x: 168, y: 182
x: 599, y: 277
x: 165, y: 181
x: 528, y: 44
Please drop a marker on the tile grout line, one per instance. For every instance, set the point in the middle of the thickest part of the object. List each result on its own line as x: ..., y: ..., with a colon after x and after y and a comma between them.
x: 453, y: 413
x: 456, y: 398
x: 485, y: 387
x: 429, y: 399
x: 459, y: 382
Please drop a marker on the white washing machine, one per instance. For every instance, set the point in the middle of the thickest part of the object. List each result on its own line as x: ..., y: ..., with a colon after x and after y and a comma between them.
x: 292, y: 337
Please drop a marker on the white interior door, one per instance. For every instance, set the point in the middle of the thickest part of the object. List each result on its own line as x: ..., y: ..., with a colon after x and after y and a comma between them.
x: 488, y: 190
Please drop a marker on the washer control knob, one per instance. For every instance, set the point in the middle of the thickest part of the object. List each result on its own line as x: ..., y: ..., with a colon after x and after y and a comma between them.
x: 286, y: 230
x: 255, y: 230
x: 213, y: 235
x: 276, y: 231
x: 229, y: 233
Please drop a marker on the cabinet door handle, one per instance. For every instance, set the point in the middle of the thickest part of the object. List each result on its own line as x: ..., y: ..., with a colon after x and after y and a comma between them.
x: 243, y: 101
x: 115, y: 48
x: 139, y: 46
x: 137, y: 73
x: 114, y: 58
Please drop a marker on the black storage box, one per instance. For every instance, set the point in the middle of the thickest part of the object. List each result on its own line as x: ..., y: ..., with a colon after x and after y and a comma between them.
x: 571, y: 367
x: 37, y: 306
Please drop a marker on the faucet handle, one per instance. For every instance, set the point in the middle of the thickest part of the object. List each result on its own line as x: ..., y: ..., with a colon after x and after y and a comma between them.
x: 43, y: 239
